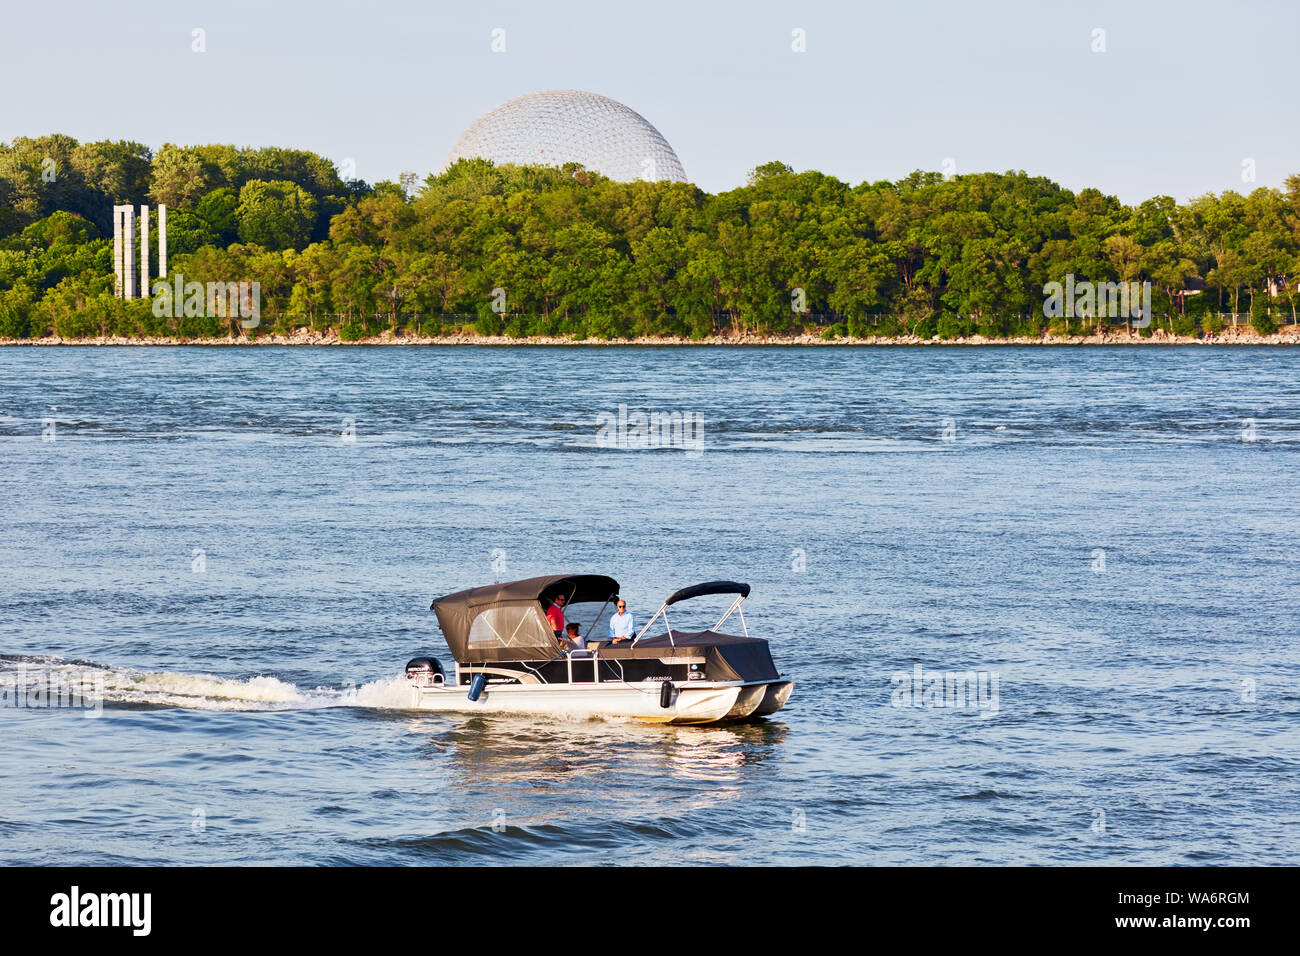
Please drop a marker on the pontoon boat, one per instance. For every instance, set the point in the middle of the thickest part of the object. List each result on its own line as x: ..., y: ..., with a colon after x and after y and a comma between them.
x: 508, y: 660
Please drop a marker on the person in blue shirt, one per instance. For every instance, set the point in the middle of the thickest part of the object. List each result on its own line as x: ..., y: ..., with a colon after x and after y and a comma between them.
x: 621, y: 627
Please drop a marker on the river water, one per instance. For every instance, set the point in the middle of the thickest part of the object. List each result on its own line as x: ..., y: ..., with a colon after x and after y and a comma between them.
x: 241, y: 545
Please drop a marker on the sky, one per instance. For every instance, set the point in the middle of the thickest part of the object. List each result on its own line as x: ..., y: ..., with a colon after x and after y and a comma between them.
x: 1138, y: 98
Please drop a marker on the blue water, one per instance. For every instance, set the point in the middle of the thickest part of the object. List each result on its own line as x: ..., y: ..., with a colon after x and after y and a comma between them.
x: 1111, y: 533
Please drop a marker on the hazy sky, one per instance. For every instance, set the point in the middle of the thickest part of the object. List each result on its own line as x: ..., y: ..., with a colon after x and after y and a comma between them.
x: 1183, y: 94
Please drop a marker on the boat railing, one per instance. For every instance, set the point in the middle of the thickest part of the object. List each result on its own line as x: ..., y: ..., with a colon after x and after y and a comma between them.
x: 580, y: 654
x: 735, y: 606
x: 663, y: 612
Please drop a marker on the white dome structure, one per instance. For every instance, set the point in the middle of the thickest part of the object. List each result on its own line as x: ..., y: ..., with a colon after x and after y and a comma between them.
x: 570, y: 126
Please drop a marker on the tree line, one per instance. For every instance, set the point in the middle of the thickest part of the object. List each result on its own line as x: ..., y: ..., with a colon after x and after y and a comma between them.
x: 535, y: 250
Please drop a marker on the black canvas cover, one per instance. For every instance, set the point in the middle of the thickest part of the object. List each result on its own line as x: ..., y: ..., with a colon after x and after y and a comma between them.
x: 507, y: 622
x: 709, y: 587
x: 727, y: 656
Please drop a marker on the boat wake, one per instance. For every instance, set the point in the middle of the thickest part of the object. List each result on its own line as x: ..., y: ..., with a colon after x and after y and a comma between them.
x: 43, y: 681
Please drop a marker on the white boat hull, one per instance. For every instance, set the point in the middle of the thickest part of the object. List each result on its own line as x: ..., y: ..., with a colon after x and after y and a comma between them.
x: 775, y: 694
x: 693, y: 703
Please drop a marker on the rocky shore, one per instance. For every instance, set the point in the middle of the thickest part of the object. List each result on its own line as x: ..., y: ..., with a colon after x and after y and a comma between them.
x: 1229, y: 336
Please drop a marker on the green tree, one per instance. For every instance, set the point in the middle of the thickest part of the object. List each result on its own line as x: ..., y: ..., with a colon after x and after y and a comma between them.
x: 276, y: 214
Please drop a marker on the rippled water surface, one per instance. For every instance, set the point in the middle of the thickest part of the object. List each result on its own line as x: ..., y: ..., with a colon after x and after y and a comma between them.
x: 1110, y: 534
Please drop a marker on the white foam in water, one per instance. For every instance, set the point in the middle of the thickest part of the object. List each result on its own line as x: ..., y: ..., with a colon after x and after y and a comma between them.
x: 392, y: 693
x: 203, y: 691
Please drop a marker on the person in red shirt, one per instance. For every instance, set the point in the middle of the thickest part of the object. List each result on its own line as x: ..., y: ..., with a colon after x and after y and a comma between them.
x: 555, y: 615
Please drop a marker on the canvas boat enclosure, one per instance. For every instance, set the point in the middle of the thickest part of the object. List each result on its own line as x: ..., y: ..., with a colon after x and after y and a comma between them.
x: 507, y: 622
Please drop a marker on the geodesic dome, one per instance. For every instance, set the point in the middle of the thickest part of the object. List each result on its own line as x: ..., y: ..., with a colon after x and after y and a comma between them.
x: 567, y: 126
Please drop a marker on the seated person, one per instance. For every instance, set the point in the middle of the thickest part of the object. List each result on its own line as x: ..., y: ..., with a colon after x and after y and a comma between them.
x: 573, y: 640
x: 621, y: 626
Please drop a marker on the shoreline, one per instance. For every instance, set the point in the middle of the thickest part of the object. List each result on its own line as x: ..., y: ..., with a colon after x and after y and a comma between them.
x: 303, y: 337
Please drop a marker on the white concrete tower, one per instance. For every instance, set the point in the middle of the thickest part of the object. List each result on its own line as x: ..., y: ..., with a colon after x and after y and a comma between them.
x: 121, y: 215
x: 144, y: 252
x: 128, y: 254
x: 162, y: 242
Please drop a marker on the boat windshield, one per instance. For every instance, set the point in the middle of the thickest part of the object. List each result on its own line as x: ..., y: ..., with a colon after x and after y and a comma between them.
x: 593, y: 616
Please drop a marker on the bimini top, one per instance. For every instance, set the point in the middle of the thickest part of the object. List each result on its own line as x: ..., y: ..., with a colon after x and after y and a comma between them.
x: 507, y: 622
x: 709, y: 587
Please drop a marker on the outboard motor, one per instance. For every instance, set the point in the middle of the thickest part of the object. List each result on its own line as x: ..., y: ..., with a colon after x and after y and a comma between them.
x: 424, y: 671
